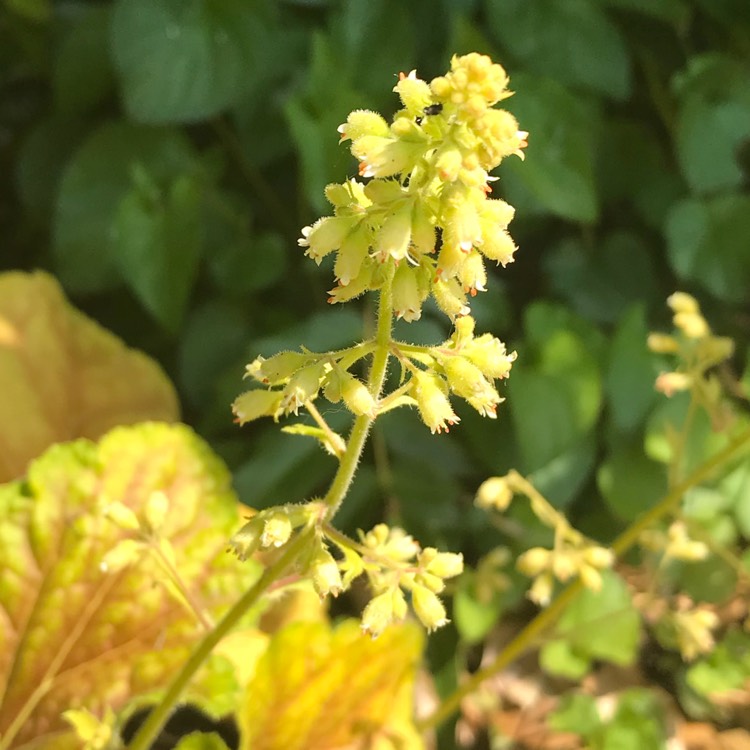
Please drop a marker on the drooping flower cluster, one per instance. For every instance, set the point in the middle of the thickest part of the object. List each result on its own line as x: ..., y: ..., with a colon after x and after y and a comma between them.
x: 573, y: 555
x: 425, y: 210
x: 464, y: 365
x: 393, y: 562
x: 697, y: 351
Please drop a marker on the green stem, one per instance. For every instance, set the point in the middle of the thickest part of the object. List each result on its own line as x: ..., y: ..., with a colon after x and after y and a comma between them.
x: 158, y: 717
x: 339, y: 487
x: 356, y: 442
x: 526, y: 639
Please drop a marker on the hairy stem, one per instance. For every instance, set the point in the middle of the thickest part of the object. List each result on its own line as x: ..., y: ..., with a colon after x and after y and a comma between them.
x: 339, y: 487
x: 529, y: 636
x: 158, y: 717
x: 358, y: 435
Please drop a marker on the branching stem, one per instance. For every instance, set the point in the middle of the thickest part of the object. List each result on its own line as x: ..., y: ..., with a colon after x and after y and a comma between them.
x: 530, y: 635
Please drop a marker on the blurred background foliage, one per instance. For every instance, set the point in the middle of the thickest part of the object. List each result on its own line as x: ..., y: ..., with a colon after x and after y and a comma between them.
x: 160, y: 158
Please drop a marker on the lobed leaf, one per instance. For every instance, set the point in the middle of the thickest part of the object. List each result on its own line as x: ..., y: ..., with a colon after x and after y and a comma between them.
x: 75, y: 636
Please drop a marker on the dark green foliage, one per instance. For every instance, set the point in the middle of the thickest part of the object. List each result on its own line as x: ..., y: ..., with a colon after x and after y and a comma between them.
x: 160, y: 157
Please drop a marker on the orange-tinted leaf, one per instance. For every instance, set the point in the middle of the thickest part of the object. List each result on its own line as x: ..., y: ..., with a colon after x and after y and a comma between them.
x: 322, y: 689
x: 75, y: 636
x: 62, y: 376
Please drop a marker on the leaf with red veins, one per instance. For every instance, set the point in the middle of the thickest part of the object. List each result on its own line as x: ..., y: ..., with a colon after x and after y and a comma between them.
x: 75, y: 636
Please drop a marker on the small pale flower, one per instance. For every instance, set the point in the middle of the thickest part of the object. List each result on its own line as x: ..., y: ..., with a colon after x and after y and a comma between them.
x: 407, y: 296
x: 541, y: 590
x: 255, y: 404
x: 694, y: 632
x: 450, y: 298
x: 495, y: 493
x: 428, y: 608
x: 430, y: 393
x: 356, y: 395
x: 325, y: 573
x: 534, y: 561
x: 670, y: 383
x: 276, y: 530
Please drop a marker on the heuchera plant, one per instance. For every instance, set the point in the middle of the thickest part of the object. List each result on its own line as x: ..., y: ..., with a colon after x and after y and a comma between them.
x: 418, y: 223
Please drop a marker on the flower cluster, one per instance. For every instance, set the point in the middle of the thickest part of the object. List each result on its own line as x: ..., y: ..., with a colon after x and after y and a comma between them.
x: 698, y: 351
x: 295, y: 379
x: 425, y: 215
x: 464, y: 365
x: 393, y: 562
x: 572, y: 554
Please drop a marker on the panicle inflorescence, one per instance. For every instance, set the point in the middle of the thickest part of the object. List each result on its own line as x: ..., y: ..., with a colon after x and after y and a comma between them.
x: 425, y: 209
x: 573, y: 555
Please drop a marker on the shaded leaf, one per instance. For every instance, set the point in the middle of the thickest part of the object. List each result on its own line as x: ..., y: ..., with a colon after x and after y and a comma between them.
x: 181, y: 62
x: 63, y: 377
x: 73, y: 635
x: 707, y: 244
x: 573, y: 42
x: 598, y: 625
x: 317, y: 689
x: 631, y: 373
x: 95, y: 181
x: 714, y: 119
x: 158, y: 243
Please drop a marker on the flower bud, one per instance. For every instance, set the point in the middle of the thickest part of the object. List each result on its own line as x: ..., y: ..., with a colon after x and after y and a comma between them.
x: 661, y: 343
x: 382, y: 610
x: 442, y: 564
x: 325, y: 574
x: 414, y: 93
x: 693, y: 325
x: 450, y: 298
x: 497, y: 245
x: 669, y: 383
x: 325, y: 236
x: 255, y: 404
x: 122, y: 555
x: 489, y: 355
x: 534, y: 561
x: 590, y: 577
x: 278, y: 368
x: 541, y: 590
x: 246, y: 541
x: 429, y: 391
x: 363, y: 122
x: 392, y: 240
x: 303, y: 385
x: 565, y: 564
x: 356, y: 395
x: 276, y: 530
x: 155, y: 510
x: 352, y: 254
x: 494, y: 493
x: 599, y: 557
x: 407, y: 298
x: 472, y: 273
x: 681, y: 302
x: 428, y: 608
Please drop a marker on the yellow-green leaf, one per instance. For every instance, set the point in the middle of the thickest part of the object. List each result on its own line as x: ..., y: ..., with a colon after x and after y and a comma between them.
x: 62, y: 376
x: 75, y: 636
x: 320, y: 689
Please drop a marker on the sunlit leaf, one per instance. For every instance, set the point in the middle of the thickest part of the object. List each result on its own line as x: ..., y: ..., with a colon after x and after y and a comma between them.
x: 64, y: 377
x: 75, y: 636
x: 320, y: 689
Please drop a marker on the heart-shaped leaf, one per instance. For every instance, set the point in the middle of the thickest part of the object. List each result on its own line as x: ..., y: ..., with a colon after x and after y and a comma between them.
x: 81, y: 629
